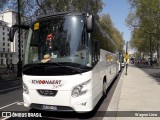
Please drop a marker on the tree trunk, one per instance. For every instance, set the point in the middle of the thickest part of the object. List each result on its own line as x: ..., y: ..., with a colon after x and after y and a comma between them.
x: 158, y: 50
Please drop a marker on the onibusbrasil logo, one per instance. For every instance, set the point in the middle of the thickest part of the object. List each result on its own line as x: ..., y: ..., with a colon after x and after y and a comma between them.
x: 20, y: 114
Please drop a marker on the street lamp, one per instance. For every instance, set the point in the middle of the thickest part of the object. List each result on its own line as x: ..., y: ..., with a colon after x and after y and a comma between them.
x: 150, y: 49
x: 19, y: 64
x: 126, y: 56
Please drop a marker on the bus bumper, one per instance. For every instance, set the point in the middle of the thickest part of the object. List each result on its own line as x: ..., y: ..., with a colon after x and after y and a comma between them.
x: 79, y: 104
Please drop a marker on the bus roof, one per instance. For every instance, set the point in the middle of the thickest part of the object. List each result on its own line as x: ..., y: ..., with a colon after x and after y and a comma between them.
x: 44, y: 16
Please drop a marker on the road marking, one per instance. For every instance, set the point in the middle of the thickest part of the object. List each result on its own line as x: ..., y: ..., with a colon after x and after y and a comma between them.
x: 5, y: 107
x: 20, y: 103
x: 8, y: 105
x: 10, y: 88
x: 5, y: 118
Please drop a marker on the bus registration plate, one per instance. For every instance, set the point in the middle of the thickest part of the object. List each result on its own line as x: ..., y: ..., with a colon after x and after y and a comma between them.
x: 49, y: 107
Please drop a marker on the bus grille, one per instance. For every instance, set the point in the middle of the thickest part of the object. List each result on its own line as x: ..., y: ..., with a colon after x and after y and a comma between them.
x: 47, y: 92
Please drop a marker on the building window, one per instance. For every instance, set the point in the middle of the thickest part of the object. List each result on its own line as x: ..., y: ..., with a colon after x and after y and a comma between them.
x: 6, y: 55
x: 11, y: 61
x: 3, y: 28
x: 3, y: 33
x: 6, y: 61
x: 8, y: 49
x: 3, y: 49
x: 3, y: 44
x: 10, y: 55
x: 1, y: 55
x: 3, y: 38
x: 8, y: 44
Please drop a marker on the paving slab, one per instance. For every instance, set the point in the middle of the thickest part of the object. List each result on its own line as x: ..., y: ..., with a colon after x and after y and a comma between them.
x: 136, y: 92
x: 140, y: 92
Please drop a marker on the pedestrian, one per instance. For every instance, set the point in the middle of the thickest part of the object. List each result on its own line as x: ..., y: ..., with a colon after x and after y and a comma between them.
x: 12, y: 68
x: 8, y: 69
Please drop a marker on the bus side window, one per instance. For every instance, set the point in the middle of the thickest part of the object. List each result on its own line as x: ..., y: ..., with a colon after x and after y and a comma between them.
x: 96, y: 52
x: 84, y: 39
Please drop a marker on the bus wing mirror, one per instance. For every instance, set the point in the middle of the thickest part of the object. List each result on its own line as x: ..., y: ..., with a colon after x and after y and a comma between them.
x: 89, y: 23
x: 12, y: 33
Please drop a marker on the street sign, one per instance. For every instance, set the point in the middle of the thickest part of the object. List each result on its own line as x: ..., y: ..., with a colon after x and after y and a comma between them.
x: 36, y: 26
x: 126, y: 56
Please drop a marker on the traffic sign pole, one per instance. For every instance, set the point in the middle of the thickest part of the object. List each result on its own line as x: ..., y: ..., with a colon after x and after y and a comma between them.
x: 126, y: 56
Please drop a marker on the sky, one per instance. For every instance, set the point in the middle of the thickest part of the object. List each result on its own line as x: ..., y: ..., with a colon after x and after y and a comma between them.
x: 118, y: 11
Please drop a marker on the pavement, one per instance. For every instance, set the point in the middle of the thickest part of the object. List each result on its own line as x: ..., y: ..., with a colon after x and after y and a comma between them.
x: 136, y: 97
x: 8, y: 77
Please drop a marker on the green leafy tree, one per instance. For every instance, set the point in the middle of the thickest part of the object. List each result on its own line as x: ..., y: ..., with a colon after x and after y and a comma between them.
x: 2, y: 4
x: 116, y: 36
x: 32, y: 8
x: 93, y: 6
x: 145, y: 17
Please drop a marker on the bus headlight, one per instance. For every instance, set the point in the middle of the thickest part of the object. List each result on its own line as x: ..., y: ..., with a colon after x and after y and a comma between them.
x: 25, y: 88
x: 80, y: 89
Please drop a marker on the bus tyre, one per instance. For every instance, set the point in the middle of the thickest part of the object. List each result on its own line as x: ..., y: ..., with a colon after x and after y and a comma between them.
x: 104, y: 89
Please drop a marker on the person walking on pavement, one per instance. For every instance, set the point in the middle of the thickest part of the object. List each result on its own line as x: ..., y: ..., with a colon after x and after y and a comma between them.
x: 8, y: 69
x: 12, y: 68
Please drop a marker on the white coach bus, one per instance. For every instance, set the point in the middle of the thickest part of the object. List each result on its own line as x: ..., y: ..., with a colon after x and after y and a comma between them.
x: 69, y: 63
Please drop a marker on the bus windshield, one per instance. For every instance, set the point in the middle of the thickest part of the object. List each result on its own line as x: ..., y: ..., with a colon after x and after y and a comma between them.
x: 59, y: 39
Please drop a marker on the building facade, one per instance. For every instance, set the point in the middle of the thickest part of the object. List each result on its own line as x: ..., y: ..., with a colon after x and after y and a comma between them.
x: 9, y: 50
